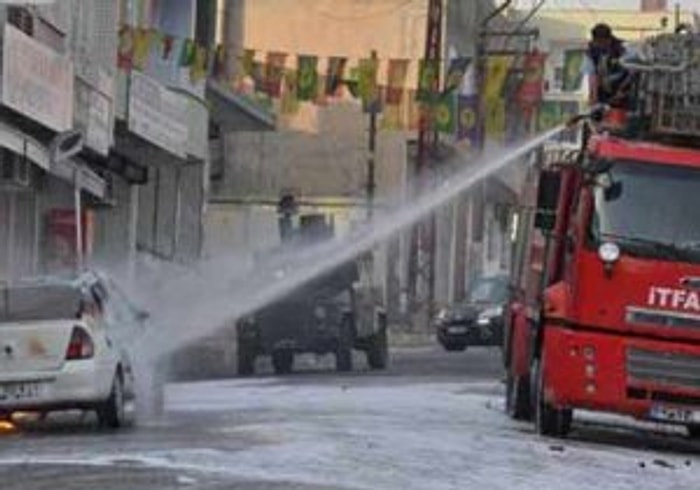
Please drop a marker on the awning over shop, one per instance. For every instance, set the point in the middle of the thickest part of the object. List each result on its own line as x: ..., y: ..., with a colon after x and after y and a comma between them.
x: 19, y: 142
x: 120, y: 164
x: 236, y: 113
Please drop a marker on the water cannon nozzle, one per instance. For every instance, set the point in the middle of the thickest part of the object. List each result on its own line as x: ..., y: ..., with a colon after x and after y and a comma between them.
x: 596, y: 114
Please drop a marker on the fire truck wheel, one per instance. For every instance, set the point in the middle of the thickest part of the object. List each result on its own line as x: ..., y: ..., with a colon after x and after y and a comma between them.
x: 343, y: 351
x: 693, y: 431
x: 245, y: 359
x: 518, y: 398
x: 378, y: 351
x: 549, y: 421
x: 283, y: 361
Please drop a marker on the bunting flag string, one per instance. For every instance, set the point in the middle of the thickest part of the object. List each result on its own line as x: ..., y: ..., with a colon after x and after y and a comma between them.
x: 405, y: 90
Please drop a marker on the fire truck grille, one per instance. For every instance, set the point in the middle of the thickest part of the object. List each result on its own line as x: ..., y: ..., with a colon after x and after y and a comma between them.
x: 678, y: 370
x: 642, y: 316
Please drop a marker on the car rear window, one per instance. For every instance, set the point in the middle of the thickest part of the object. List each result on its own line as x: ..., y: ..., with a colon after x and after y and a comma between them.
x: 36, y: 303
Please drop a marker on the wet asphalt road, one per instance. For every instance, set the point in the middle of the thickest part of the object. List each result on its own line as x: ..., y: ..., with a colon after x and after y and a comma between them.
x: 216, y: 435
x: 25, y: 452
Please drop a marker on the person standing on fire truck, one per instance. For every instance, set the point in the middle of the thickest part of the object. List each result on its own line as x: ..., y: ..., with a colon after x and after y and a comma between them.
x: 610, y: 83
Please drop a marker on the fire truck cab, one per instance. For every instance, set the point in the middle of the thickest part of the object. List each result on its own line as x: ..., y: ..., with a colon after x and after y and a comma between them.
x: 605, y: 300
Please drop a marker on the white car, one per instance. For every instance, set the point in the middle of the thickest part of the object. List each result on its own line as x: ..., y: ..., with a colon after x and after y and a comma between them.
x: 63, y: 346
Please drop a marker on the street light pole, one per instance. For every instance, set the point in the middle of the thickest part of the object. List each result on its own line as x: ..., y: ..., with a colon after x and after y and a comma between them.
x: 372, y: 145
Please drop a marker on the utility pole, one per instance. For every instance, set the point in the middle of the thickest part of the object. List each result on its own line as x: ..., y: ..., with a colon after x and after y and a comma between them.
x: 422, y: 259
x: 372, y: 145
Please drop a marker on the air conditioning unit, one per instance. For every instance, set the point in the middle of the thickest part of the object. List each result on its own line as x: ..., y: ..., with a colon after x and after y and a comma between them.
x: 15, y: 170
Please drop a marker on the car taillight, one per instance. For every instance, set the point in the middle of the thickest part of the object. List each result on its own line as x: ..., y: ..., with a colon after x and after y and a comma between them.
x: 80, y: 345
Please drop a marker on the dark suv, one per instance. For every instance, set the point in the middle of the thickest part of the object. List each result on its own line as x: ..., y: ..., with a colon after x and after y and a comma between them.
x: 478, y: 320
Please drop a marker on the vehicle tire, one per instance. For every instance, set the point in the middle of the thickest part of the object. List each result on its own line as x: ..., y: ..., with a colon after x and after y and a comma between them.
x: 111, y: 413
x: 283, y: 361
x: 245, y: 359
x: 378, y: 351
x: 343, y: 350
x: 454, y: 347
x: 518, y: 398
x: 549, y: 421
x: 693, y: 431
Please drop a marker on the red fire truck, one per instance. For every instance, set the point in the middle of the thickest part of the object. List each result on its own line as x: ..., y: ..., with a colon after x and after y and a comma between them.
x: 605, y: 309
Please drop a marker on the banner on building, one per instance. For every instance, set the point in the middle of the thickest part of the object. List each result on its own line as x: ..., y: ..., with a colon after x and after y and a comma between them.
x: 495, y: 118
x: 367, y: 86
x: 289, y: 102
x: 307, y: 77
x: 467, y: 119
x: 142, y: 47
x: 200, y: 63
x: 572, y: 75
x: 187, y: 53
x: 397, y: 72
x: 532, y: 86
x: 456, y: 72
x: 428, y: 78
x: 497, y: 71
x: 444, y: 113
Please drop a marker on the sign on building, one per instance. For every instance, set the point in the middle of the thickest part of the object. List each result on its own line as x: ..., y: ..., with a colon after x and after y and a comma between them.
x: 36, y: 80
x: 157, y: 114
x: 94, y: 112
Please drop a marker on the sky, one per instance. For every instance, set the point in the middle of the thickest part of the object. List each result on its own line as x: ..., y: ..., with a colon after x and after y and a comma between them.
x: 686, y: 4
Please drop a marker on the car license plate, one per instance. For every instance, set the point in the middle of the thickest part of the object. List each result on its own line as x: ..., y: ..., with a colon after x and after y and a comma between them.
x: 20, y: 391
x: 457, y: 330
x: 672, y: 414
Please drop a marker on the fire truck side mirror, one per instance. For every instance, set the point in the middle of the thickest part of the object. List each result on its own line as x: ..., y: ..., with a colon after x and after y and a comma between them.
x: 547, y: 199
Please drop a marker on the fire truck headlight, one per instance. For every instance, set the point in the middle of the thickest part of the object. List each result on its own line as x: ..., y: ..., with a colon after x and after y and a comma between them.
x: 609, y: 252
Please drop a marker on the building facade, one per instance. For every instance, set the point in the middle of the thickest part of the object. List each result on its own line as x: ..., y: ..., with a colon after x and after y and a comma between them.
x: 320, y: 151
x: 137, y: 187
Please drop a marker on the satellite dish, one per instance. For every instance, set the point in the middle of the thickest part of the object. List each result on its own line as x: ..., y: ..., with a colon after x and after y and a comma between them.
x: 66, y: 145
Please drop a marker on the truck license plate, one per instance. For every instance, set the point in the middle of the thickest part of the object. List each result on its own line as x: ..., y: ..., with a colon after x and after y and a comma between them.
x: 20, y: 391
x: 672, y: 414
